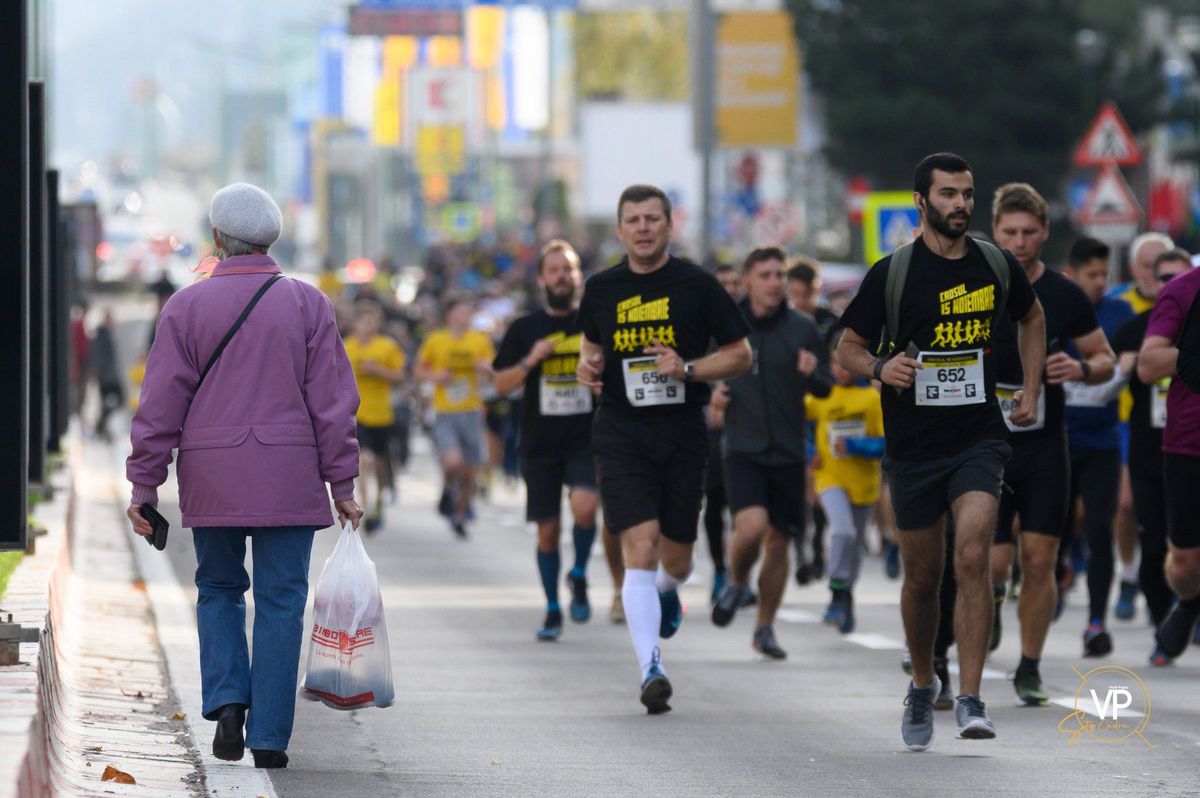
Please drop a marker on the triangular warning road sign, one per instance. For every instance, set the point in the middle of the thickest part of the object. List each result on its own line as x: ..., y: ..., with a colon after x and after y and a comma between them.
x: 1108, y: 141
x: 1110, y: 200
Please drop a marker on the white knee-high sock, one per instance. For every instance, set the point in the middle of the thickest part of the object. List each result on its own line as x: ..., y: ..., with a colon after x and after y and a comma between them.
x: 1129, y: 570
x: 665, y: 582
x: 643, y: 615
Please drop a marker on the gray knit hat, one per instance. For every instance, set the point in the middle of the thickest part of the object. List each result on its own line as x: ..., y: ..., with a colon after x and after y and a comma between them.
x: 247, y: 213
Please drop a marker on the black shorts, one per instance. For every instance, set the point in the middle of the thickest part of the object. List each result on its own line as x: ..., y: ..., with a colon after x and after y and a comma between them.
x: 1181, y: 475
x: 545, y: 477
x: 778, y: 488
x: 1037, y: 483
x: 651, y: 469
x: 923, y: 490
x: 376, y: 440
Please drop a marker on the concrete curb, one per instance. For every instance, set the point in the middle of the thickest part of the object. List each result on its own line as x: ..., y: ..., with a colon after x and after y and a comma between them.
x: 24, y: 760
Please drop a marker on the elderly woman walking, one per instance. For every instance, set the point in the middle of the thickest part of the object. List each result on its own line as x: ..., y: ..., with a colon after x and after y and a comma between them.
x: 262, y: 418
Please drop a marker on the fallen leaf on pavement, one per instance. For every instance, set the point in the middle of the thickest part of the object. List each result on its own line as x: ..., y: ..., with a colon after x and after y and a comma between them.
x: 119, y: 776
x: 95, y: 748
x: 179, y: 716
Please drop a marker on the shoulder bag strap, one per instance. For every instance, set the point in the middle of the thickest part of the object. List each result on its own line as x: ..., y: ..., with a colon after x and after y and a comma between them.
x: 236, y: 325
x: 995, y: 258
x: 894, y: 293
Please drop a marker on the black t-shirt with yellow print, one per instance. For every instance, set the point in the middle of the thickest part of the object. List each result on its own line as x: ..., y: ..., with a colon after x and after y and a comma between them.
x: 681, y: 306
x: 947, y: 310
x: 557, y: 414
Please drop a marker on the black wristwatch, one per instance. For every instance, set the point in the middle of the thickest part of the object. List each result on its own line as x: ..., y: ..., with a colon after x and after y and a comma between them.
x: 878, y: 369
x: 1087, y: 370
x: 689, y: 371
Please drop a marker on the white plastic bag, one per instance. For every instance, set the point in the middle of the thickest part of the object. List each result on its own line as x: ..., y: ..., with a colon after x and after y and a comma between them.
x: 349, y: 663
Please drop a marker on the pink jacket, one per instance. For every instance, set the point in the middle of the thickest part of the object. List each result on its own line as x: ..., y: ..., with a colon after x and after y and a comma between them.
x: 274, y: 419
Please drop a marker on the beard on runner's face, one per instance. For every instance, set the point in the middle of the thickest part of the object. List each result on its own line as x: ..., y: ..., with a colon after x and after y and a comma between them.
x: 560, y: 299
x: 942, y: 224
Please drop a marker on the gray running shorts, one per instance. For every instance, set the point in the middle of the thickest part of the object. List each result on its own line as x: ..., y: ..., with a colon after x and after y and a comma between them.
x: 462, y: 433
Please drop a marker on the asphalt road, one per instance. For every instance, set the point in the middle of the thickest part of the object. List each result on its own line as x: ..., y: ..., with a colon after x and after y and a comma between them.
x: 483, y: 709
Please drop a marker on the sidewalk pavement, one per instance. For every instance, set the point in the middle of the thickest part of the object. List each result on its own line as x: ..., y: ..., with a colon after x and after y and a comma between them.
x: 96, y: 696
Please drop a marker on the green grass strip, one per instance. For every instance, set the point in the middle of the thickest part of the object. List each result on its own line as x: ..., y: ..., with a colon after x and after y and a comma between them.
x: 8, y: 563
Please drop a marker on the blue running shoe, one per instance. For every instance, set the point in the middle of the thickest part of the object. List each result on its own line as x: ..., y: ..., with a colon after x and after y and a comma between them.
x: 847, y: 624
x: 719, y: 580
x: 835, y: 613
x: 581, y: 610
x: 656, y: 691
x: 1128, y: 594
x: 672, y: 614
x: 551, y: 630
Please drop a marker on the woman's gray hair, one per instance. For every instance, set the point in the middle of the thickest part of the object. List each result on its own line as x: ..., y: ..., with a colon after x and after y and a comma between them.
x: 235, y: 246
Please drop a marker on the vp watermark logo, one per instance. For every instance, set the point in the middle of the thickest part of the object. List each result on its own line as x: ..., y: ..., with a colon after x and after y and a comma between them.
x: 1112, y: 705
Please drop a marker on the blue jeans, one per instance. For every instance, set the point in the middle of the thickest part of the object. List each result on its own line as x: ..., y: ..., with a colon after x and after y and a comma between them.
x: 268, y: 686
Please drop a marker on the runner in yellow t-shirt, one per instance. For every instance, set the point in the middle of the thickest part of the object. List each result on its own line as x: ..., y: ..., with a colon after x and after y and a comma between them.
x: 455, y: 359
x: 378, y: 364
x: 849, y: 443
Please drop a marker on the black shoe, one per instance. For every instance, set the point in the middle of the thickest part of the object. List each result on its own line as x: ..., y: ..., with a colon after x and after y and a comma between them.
x: 460, y: 529
x: 266, y: 758
x: 727, y: 604
x: 1177, y: 629
x: 803, y: 574
x: 229, y: 743
x: 1096, y: 641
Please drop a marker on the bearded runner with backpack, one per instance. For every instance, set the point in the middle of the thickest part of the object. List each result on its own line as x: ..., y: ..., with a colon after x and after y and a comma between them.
x: 936, y: 301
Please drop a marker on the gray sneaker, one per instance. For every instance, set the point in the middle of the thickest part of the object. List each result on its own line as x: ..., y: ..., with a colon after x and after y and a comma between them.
x: 917, y: 726
x: 973, y: 723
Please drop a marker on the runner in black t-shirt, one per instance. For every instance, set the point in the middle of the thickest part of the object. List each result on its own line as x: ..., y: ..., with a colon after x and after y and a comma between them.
x: 647, y: 323
x: 1147, y: 419
x: 1037, y: 474
x: 541, y: 352
x: 945, y: 434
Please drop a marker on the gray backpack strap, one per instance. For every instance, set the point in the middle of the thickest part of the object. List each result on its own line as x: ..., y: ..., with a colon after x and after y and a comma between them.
x: 995, y: 258
x: 893, y: 294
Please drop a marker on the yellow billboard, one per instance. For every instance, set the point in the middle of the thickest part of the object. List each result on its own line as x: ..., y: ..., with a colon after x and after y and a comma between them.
x: 757, y: 80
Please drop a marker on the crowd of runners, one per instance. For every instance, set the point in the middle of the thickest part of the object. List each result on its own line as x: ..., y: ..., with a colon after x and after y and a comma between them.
x: 1000, y: 425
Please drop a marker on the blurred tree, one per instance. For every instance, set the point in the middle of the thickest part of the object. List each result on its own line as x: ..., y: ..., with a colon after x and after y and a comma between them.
x: 1000, y: 82
x: 632, y: 55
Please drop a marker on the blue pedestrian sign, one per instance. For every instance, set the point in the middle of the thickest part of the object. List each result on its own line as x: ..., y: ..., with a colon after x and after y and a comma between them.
x: 889, y: 221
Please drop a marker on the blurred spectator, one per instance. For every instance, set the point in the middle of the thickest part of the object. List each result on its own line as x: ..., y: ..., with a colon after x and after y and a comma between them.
x: 103, y: 359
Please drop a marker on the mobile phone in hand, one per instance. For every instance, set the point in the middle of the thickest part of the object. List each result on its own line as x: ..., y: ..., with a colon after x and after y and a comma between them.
x: 158, y: 524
